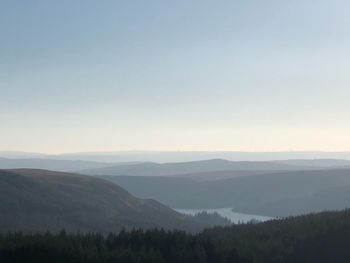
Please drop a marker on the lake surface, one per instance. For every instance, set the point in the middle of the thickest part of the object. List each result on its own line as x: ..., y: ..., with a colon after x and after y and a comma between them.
x: 228, y: 213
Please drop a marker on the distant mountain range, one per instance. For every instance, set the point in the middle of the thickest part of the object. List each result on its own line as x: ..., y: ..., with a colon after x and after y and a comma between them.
x: 178, y: 156
x: 141, y: 168
x: 49, y: 164
x: 166, y: 169
x: 40, y: 200
x: 13, y: 160
x: 92, y: 164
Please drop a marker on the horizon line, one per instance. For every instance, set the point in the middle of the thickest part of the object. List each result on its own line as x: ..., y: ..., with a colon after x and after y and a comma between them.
x: 171, y: 151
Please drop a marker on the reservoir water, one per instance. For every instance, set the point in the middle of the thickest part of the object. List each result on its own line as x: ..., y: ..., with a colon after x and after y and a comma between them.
x: 228, y: 213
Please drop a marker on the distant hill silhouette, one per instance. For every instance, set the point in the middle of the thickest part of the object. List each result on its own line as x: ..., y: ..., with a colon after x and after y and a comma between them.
x: 49, y: 164
x: 163, y: 169
x: 179, y: 156
x: 318, y: 163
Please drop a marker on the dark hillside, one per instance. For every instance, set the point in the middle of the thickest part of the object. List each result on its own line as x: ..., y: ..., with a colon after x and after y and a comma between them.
x: 38, y: 200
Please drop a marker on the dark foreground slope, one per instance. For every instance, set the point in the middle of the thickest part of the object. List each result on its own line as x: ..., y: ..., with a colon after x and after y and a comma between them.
x: 319, y: 238
x: 38, y: 200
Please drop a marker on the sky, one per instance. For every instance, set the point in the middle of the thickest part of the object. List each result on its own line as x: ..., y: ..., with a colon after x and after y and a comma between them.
x: 185, y: 75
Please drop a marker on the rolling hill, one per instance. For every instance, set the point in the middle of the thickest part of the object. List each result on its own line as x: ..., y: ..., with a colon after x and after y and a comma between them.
x: 40, y: 200
x: 271, y: 194
x: 168, y: 169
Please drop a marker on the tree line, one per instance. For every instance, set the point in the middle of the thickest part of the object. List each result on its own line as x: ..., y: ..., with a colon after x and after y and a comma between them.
x: 315, y: 238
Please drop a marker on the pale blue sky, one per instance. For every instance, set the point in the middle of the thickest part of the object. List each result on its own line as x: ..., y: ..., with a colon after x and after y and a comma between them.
x: 246, y: 75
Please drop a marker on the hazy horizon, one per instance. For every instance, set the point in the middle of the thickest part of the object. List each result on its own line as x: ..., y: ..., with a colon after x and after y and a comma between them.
x: 86, y: 76
x: 176, y: 156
